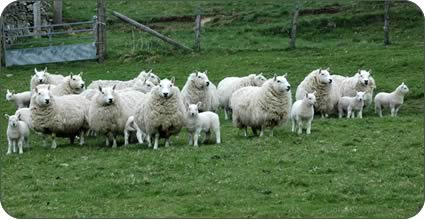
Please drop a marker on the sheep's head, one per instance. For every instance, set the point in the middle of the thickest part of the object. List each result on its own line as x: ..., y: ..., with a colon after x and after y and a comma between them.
x: 43, y: 96
x: 76, y: 83
x: 403, y: 89
x: 360, y: 96
x: 144, y: 86
x: 150, y: 76
x: 199, y: 80
x: 13, y: 120
x: 106, y: 95
x: 280, y: 84
x: 41, y: 76
x: 166, y: 88
x: 259, y: 79
x: 193, y: 109
x: 9, y: 95
x: 324, y: 76
x: 364, y: 76
x: 310, y: 98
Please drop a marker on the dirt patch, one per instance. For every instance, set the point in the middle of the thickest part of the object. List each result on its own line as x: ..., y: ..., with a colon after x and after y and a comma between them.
x: 324, y: 10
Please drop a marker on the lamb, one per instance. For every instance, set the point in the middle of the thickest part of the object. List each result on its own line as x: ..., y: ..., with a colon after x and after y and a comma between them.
x: 59, y: 116
x: 361, y: 81
x: 24, y: 114
x: 393, y: 100
x: 199, y: 89
x: 302, y: 113
x: 43, y: 77
x: 72, y: 84
x: 351, y: 104
x: 21, y: 100
x: 228, y: 85
x: 201, y: 122
x: 162, y: 114
x: 17, y: 134
x: 131, y: 127
x: 320, y: 81
x: 109, y: 111
x: 262, y: 107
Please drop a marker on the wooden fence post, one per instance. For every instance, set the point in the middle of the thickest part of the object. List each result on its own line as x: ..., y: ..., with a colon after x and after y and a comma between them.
x: 387, y: 23
x: 198, y: 31
x: 101, y: 31
x: 37, y: 17
x: 57, y: 12
x: 2, y: 61
x: 294, y: 26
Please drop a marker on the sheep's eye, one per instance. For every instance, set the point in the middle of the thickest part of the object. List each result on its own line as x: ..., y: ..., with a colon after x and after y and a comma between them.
x: 160, y: 85
x: 149, y: 85
x: 171, y: 86
x: 278, y: 81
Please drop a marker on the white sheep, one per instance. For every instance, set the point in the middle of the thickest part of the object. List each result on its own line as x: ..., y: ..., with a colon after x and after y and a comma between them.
x: 393, y: 100
x: 24, y: 114
x: 228, y: 85
x: 72, y: 84
x: 17, y: 134
x: 302, y: 113
x: 131, y: 128
x: 162, y: 114
x: 262, y: 107
x: 59, y: 116
x: 351, y: 104
x: 21, y: 100
x: 140, y: 86
x: 199, y: 89
x: 109, y: 111
x: 43, y: 77
x: 150, y: 76
x: 320, y: 81
x: 206, y: 122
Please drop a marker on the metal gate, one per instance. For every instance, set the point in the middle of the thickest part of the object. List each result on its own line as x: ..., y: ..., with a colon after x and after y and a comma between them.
x: 50, y: 43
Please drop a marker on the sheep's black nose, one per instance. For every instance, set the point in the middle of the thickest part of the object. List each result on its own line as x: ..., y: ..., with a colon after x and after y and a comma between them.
x: 110, y: 100
x: 82, y: 85
x: 366, y: 82
x: 41, y: 80
x: 330, y: 80
x: 208, y: 83
x: 47, y: 101
x: 289, y: 88
x: 165, y: 94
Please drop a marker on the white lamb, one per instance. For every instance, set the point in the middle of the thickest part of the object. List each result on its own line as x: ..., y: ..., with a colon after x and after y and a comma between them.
x: 206, y: 122
x: 320, y: 81
x: 17, y: 134
x: 59, y: 116
x: 43, y: 77
x: 262, y: 107
x: 228, y: 85
x: 199, y: 89
x: 162, y: 114
x: 302, y: 113
x: 351, y: 104
x: 131, y: 128
x: 393, y: 100
x: 21, y: 100
x: 109, y: 111
x: 72, y: 84
x: 24, y: 114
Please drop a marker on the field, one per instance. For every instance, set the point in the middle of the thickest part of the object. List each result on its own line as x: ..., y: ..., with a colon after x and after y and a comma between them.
x: 359, y: 168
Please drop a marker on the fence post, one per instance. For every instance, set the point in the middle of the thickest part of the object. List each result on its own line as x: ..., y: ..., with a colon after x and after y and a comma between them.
x: 57, y: 11
x: 2, y: 61
x: 101, y: 31
x: 37, y: 17
x: 198, y: 31
x: 386, y: 23
x: 293, y: 36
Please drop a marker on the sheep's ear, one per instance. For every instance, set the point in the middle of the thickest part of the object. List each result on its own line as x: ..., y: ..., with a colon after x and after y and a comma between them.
x: 13, y: 92
x: 35, y: 70
x: 6, y: 116
x: 45, y: 69
x: 100, y: 88
x: 150, y: 71
x: 358, y: 71
x: 19, y: 116
x: 402, y: 83
x: 274, y: 77
x: 113, y: 87
x: 327, y: 69
x: 199, y: 104
x: 206, y: 72
x: 71, y: 75
x: 306, y: 95
x: 7, y: 91
x: 80, y: 74
x: 196, y: 74
x: 284, y: 75
x: 314, y: 92
x: 173, y: 80
x: 370, y: 71
x: 320, y: 70
x: 144, y: 81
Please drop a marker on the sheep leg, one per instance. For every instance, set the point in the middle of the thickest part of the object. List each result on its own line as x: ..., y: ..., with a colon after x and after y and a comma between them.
x: 126, y: 137
x: 360, y: 113
x: 148, y: 139
x: 53, y: 141
x: 71, y: 139
x: 114, y: 140
x: 217, y: 135
x: 225, y: 114
x: 107, y: 141
x: 378, y: 109
x: 82, y: 138
x: 309, y: 126
x: 195, y: 139
x: 14, y: 146
x: 155, y: 146
x: 340, y: 111
x: 300, y: 127
x: 348, y: 112
x: 293, y: 125
x: 271, y: 132
x: 167, y: 142
x: 245, y: 132
x: 9, y: 149
x: 190, y: 138
x: 392, y: 107
x: 139, y: 134
x: 207, y: 137
x: 262, y: 131
x: 27, y: 142
x: 396, y: 110
x: 20, y: 145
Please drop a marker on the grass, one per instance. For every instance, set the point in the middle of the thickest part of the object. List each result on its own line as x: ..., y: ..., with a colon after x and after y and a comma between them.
x: 369, y: 168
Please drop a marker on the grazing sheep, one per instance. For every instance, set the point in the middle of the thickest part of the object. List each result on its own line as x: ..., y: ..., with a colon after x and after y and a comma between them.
x: 201, y: 122
x: 130, y: 128
x: 351, y: 104
x: 17, y: 134
x: 110, y: 109
x: 393, y: 100
x: 21, y: 100
x: 151, y: 77
x: 59, y: 116
x: 199, y: 89
x: 72, y: 84
x: 43, y: 77
x: 361, y: 81
x: 262, y: 107
x: 162, y: 114
x: 302, y: 113
x: 228, y: 85
x: 320, y: 81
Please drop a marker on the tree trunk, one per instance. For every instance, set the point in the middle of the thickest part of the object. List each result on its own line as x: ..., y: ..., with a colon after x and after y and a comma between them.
x: 101, y: 31
x: 57, y: 12
x: 387, y: 23
x: 294, y: 26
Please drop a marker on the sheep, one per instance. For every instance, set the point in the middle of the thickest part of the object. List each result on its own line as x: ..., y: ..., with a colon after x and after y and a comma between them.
x: 131, y: 127
x: 144, y: 87
x: 201, y: 122
x: 17, y: 134
x: 151, y: 77
x: 262, y: 107
x: 162, y: 114
x: 21, y: 100
x: 43, y: 77
x: 199, y: 89
x: 393, y: 100
x: 351, y: 104
x: 59, y: 116
x: 361, y: 81
x: 302, y: 113
x: 110, y: 109
x: 24, y: 114
x: 320, y: 81
x: 72, y: 84
x: 228, y: 85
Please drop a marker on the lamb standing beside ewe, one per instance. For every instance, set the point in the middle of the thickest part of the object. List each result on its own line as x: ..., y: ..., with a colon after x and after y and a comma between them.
x: 162, y: 114
x: 43, y: 77
x: 302, y: 113
x: 393, y: 100
x: 199, y: 89
x: 262, y: 107
x: 21, y: 100
x: 228, y: 85
x: 201, y: 122
x: 351, y: 104
x: 17, y: 134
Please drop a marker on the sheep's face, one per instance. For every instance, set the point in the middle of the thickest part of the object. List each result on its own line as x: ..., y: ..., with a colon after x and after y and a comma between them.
x: 41, y: 76
x: 403, y: 88
x: 364, y: 77
x: 145, y: 86
x: 13, y: 120
x: 200, y: 80
x: 9, y: 95
x: 42, y: 96
x: 193, y: 109
x: 150, y: 77
x: 259, y: 79
x: 107, y: 95
x: 310, y: 98
x: 324, y: 76
x: 76, y: 82
x: 360, y: 96
x: 280, y: 84
x: 166, y: 88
